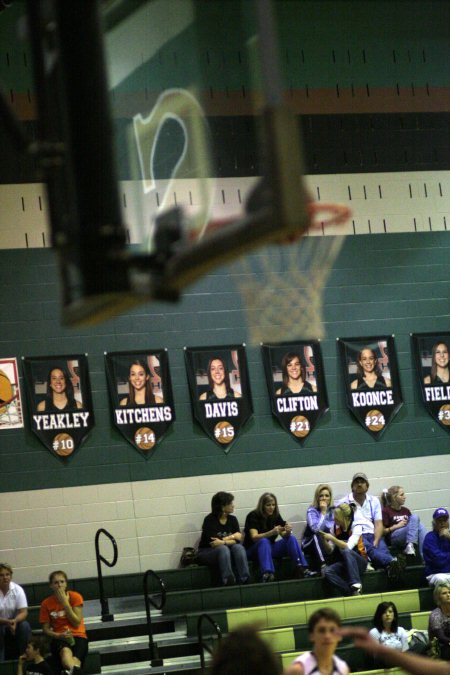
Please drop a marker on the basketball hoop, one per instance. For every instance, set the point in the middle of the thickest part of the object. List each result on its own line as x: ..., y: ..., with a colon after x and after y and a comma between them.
x: 281, y: 286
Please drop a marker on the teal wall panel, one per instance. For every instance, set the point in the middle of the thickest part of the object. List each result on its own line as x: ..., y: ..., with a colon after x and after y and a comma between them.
x: 380, y: 284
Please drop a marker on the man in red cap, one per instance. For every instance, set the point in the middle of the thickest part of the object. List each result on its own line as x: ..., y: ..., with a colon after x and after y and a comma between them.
x: 436, y: 549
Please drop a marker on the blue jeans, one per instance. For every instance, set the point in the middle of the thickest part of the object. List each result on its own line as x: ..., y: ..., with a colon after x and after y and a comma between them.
x: 379, y: 556
x: 315, y: 551
x: 225, y: 558
x: 413, y: 532
x: 17, y: 642
x: 265, y: 551
x: 346, y: 571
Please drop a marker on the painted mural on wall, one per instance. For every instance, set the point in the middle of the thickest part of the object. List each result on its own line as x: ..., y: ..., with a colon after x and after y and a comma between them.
x: 140, y: 391
x: 11, y: 416
x: 296, y: 385
x: 431, y: 355
x: 59, y: 401
x: 220, y: 391
x: 372, y: 384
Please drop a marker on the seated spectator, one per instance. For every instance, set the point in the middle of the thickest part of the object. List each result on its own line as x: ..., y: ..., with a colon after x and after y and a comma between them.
x: 436, y: 549
x: 220, y: 544
x: 416, y: 664
x: 319, y: 517
x: 324, y: 634
x: 244, y: 652
x: 402, y: 528
x: 15, y: 631
x: 349, y: 561
x: 263, y: 526
x: 33, y: 659
x: 439, y: 621
x: 61, y: 616
x: 369, y: 519
x: 386, y: 629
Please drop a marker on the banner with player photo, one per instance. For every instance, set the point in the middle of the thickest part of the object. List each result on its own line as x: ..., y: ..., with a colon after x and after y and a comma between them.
x: 372, y: 383
x: 220, y: 390
x: 140, y: 391
x: 431, y: 355
x: 59, y: 401
x: 296, y: 384
x: 11, y: 416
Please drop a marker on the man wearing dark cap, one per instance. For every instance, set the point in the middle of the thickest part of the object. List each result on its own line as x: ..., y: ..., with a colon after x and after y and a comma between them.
x: 368, y: 521
x: 436, y: 549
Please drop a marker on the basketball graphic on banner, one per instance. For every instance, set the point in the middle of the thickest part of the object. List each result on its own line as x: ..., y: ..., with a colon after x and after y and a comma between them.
x: 145, y: 438
x: 375, y: 420
x: 300, y: 426
x: 63, y: 445
x: 444, y: 414
x: 224, y: 432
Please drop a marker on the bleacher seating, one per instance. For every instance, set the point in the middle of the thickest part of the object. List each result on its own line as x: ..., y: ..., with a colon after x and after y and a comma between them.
x: 281, y: 610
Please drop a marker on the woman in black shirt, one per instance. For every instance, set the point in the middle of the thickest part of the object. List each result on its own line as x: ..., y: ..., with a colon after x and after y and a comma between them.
x: 220, y: 544
x: 263, y: 526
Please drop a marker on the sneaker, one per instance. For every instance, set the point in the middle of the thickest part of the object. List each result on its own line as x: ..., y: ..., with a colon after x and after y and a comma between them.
x: 409, y: 549
x: 230, y: 581
x: 369, y: 568
x: 267, y: 577
x: 395, y: 569
x: 310, y: 573
x: 356, y: 589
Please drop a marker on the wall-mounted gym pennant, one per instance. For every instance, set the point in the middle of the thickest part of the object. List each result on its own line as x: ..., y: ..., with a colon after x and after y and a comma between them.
x: 11, y: 416
x: 140, y: 391
x: 220, y: 390
x: 59, y: 401
x: 296, y: 385
x: 372, y: 384
x: 431, y: 356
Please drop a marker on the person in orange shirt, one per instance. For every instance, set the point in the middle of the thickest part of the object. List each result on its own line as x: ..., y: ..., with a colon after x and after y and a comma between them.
x: 61, y: 616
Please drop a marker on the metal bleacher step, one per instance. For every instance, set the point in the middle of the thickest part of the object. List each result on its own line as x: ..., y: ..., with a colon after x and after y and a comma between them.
x: 175, y: 665
x: 135, y: 648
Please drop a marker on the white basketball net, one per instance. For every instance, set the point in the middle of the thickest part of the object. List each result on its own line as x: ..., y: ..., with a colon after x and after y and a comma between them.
x: 281, y: 288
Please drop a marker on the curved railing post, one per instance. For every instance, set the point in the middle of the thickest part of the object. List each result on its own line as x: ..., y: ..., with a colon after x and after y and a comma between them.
x: 106, y: 616
x: 154, y: 657
x: 201, y: 642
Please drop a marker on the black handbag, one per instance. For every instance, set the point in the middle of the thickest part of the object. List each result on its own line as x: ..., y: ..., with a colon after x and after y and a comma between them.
x: 188, y: 556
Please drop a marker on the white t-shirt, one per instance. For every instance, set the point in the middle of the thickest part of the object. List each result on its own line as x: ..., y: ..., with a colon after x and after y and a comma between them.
x: 398, y: 640
x: 13, y: 600
x: 365, y: 514
x: 309, y: 663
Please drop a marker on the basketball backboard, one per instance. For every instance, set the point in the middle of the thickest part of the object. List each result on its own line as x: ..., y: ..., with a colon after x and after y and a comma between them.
x: 130, y: 108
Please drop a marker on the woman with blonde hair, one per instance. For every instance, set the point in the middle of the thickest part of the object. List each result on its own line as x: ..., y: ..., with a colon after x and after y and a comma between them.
x: 319, y: 517
x: 401, y: 528
x: 439, y: 621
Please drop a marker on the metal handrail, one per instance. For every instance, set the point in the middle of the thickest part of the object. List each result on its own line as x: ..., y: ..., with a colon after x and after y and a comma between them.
x: 155, y: 660
x: 203, y: 645
x: 106, y: 615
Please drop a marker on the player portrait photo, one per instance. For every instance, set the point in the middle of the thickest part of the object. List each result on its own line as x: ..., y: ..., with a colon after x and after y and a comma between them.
x: 370, y: 373
x: 219, y: 389
x: 141, y: 396
x: 59, y: 400
x: 11, y: 416
x: 296, y: 385
x: 431, y: 356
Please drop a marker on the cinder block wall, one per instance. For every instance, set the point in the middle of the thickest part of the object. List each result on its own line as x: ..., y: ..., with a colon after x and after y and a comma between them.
x: 371, y: 88
x: 51, y: 510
